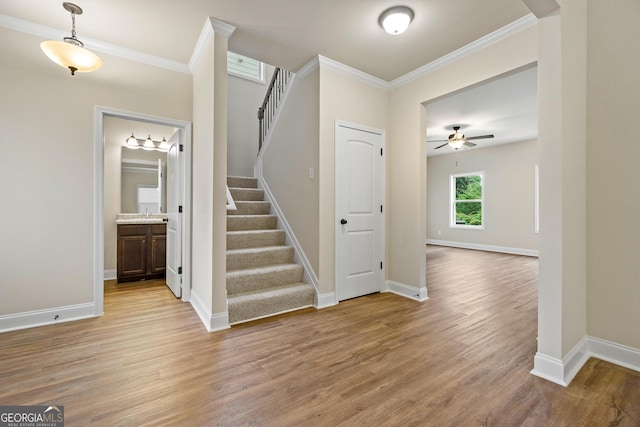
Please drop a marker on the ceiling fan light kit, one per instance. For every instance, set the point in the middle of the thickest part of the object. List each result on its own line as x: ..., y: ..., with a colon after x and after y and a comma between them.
x: 70, y: 53
x: 457, y: 139
x: 396, y: 20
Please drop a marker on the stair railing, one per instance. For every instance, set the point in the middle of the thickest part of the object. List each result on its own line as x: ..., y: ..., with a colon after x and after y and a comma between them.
x: 267, y: 111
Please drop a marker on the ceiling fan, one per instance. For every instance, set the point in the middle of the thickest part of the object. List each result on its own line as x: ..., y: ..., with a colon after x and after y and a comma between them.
x: 457, y: 139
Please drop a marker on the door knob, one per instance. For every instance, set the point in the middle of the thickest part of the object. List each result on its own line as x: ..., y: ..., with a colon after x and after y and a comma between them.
x: 343, y: 221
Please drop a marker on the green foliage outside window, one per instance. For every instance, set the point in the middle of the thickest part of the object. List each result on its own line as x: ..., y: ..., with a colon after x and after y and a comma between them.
x: 468, y: 204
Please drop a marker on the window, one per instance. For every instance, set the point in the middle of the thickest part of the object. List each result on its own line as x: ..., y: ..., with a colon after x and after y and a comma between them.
x: 245, y: 67
x: 467, y: 200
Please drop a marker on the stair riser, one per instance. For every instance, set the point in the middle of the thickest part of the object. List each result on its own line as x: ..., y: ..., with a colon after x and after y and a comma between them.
x: 238, y: 181
x: 259, y: 222
x: 251, y: 208
x: 259, y: 259
x: 255, y: 240
x: 243, y: 310
x: 247, y: 194
x: 254, y: 281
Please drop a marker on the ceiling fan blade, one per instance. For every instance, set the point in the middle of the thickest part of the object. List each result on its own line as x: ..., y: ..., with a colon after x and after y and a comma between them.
x: 439, y: 140
x: 440, y: 146
x: 479, y: 137
x: 469, y: 144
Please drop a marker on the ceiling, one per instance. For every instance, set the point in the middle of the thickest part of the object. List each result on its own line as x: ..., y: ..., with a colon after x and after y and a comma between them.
x: 285, y: 33
x: 506, y: 107
x: 289, y: 33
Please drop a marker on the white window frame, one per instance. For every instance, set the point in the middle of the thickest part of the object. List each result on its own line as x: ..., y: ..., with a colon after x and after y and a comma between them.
x: 453, y: 201
x: 232, y: 56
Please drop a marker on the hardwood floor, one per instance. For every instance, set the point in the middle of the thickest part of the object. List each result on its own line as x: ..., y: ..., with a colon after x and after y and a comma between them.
x: 460, y: 359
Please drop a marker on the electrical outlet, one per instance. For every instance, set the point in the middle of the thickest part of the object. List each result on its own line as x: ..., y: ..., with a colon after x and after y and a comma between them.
x: 311, y: 173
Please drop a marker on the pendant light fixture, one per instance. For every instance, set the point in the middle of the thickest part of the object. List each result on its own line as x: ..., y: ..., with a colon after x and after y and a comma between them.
x: 70, y: 53
x: 396, y: 20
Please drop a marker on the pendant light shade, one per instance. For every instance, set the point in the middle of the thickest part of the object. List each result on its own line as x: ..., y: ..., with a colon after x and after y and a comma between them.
x: 70, y: 52
x: 148, y: 143
x: 457, y: 140
x: 70, y: 56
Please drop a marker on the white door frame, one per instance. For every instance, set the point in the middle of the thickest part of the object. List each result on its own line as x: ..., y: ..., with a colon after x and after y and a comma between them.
x: 99, y: 114
x: 341, y: 123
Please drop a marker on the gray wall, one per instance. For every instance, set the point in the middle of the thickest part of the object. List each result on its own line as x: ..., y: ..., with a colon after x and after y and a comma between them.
x: 508, y: 193
x: 245, y: 96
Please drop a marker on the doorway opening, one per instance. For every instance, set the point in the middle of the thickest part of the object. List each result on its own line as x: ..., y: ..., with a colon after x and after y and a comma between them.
x: 482, y: 192
x: 182, y: 136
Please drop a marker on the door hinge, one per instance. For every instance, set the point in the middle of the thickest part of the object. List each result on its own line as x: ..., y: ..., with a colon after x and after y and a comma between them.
x: 380, y: 265
x: 179, y: 209
x: 179, y: 270
x: 381, y: 151
x: 380, y: 208
x: 181, y: 147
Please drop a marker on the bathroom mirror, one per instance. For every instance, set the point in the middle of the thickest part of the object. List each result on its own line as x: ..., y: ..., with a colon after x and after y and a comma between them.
x: 143, y: 181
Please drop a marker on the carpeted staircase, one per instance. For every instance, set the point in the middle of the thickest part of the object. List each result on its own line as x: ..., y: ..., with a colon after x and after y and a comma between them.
x: 262, y: 278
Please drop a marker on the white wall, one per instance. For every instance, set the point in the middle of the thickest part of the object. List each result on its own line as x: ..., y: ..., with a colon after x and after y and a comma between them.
x: 245, y: 96
x: 291, y: 150
x: 46, y: 170
x: 508, y: 195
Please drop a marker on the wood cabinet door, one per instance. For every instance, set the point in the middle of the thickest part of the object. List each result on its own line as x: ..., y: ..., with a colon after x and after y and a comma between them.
x: 132, y: 255
x: 157, y: 253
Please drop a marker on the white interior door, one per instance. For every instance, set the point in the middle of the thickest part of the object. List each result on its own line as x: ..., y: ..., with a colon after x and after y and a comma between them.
x: 359, y: 184
x: 175, y: 197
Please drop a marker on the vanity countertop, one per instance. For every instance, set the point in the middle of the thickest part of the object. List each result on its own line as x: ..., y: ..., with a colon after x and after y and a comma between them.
x: 135, y: 218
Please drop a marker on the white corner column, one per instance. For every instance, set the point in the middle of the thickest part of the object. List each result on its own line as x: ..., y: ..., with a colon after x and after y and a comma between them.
x: 562, y: 288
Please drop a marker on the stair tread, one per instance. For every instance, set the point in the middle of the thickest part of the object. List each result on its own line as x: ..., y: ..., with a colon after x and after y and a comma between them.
x: 273, y: 291
x: 257, y: 231
x: 257, y: 250
x: 261, y: 270
x: 253, y: 216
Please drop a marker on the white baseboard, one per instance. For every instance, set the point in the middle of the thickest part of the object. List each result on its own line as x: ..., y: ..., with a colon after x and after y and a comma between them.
x: 488, y: 248
x: 50, y: 316
x: 563, y: 371
x: 549, y: 368
x: 326, y: 300
x: 211, y: 322
x: 110, y: 274
x: 416, y: 294
x: 300, y: 256
x: 618, y: 354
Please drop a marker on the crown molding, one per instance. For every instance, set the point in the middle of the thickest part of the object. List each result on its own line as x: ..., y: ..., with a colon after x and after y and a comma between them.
x: 222, y: 27
x: 308, y: 68
x: 211, y: 26
x: 350, y: 71
x: 508, y: 30
x: 92, y: 44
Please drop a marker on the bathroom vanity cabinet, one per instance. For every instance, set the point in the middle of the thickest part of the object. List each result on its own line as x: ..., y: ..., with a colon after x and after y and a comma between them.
x: 141, y: 251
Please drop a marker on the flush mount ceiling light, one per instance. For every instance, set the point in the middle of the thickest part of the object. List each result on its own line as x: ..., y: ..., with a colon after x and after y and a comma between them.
x: 70, y: 52
x: 396, y: 20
